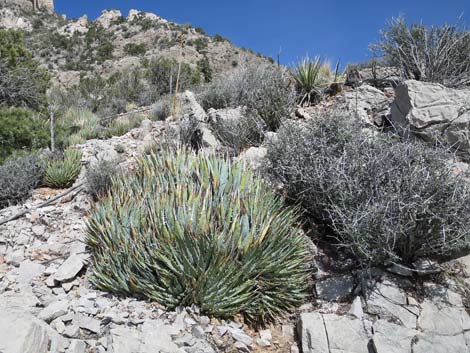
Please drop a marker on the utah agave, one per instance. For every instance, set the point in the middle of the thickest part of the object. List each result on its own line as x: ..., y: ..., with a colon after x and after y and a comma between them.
x: 195, y: 229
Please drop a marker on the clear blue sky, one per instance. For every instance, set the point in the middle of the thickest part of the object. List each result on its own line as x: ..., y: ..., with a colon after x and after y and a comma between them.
x: 334, y: 29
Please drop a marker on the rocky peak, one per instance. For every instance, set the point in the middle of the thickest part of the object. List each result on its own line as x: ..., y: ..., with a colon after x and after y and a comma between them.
x: 47, y: 5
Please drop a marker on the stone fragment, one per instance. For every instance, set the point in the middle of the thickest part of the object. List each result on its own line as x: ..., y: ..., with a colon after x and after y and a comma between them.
x: 54, y: 310
x: 70, y: 268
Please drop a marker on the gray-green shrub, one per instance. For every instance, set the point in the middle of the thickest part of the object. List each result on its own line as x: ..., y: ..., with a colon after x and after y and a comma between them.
x: 385, y: 199
x: 18, y: 178
x: 265, y: 90
x: 99, y: 177
x: 433, y: 54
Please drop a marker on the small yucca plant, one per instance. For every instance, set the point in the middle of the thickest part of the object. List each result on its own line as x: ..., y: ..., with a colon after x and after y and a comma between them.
x: 61, y: 173
x: 195, y: 229
x: 311, y: 75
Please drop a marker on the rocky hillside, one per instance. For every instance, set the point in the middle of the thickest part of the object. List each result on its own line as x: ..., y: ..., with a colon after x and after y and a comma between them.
x: 71, y: 48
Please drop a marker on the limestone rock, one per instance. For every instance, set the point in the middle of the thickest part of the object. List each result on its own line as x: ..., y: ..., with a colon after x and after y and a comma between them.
x: 70, y: 268
x: 434, y: 112
x: 107, y: 17
x: 369, y: 103
x: 391, y: 338
x: 21, y: 332
x: 254, y: 156
x: 320, y: 333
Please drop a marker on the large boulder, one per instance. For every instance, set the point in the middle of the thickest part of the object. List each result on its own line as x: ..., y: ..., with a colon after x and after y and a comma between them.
x: 188, y: 107
x: 434, y: 112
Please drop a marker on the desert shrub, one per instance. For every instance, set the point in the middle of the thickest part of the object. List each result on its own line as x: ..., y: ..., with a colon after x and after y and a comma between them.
x: 311, y: 75
x: 122, y: 127
x: 135, y: 49
x: 18, y: 178
x: 163, y: 71
x: 120, y: 148
x: 23, y: 83
x: 434, y: 54
x: 238, y: 134
x: 61, y: 173
x: 385, y: 199
x: 204, y: 67
x: 263, y: 89
x: 21, y: 130
x: 192, y: 229
x: 162, y: 109
x: 99, y: 177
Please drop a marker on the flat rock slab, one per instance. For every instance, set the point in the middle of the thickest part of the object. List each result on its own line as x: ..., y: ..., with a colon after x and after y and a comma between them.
x: 392, y: 338
x: 440, y: 344
x: 442, y: 319
x: 70, y: 268
x: 320, y: 333
x: 388, y: 301
x: 20, y: 332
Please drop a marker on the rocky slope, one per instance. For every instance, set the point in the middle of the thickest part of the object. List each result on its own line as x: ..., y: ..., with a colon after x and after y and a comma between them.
x: 112, y: 43
x: 48, y: 305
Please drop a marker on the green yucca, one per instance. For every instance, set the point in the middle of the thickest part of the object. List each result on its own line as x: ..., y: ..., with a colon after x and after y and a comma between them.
x: 61, y: 173
x: 311, y: 75
x: 195, y: 229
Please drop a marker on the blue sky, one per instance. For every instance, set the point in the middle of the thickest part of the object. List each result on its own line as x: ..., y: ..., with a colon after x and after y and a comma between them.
x: 335, y: 29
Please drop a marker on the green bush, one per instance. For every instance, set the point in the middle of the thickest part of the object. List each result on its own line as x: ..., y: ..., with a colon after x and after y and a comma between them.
x: 195, y: 229
x: 263, y: 89
x: 20, y: 130
x: 204, y: 67
x: 18, y: 178
x: 61, y: 173
x: 135, y: 49
x: 120, y: 127
x: 385, y: 199
x: 162, y: 109
x: 23, y: 83
x: 433, y: 54
x: 99, y: 177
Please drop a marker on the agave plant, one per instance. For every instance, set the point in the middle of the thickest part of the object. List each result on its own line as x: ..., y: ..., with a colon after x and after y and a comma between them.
x: 311, y: 75
x: 61, y: 173
x: 194, y: 229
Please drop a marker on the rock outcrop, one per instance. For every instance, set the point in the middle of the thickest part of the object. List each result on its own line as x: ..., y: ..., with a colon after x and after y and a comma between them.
x: 47, y: 5
x: 434, y: 112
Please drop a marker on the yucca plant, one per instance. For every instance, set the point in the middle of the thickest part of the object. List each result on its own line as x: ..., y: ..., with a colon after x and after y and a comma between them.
x: 61, y: 173
x: 311, y: 75
x: 195, y: 229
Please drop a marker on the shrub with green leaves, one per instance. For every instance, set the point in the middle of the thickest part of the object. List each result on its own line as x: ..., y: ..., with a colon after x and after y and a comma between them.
x: 61, y: 173
x: 195, y: 229
x: 18, y: 178
x: 385, y: 199
x: 135, y: 49
x: 20, y: 130
x: 264, y: 90
x: 23, y: 83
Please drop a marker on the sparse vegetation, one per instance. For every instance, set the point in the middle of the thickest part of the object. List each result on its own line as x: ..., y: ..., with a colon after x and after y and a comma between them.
x: 135, y: 49
x: 385, y: 199
x: 264, y: 90
x: 433, y: 54
x: 231, y: 238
